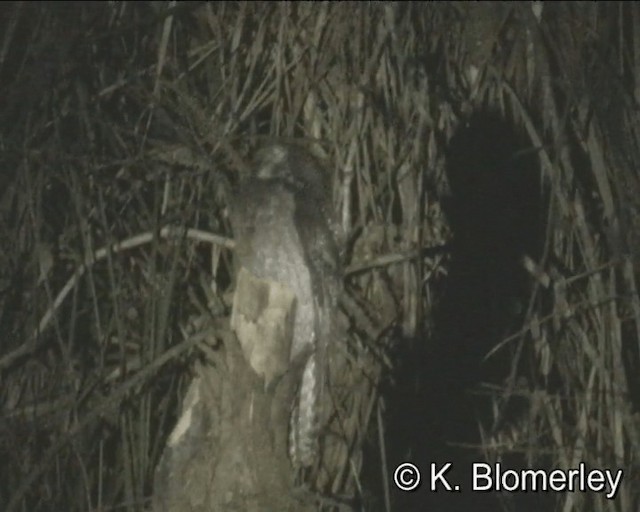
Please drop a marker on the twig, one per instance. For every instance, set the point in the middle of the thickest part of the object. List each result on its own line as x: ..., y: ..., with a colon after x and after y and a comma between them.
x: 144, y: 238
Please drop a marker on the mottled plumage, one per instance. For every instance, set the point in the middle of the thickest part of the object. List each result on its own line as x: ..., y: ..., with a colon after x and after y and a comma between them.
x: 283, y: 226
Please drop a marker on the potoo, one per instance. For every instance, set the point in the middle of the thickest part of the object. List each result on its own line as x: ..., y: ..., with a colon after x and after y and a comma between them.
x: 284, y: 229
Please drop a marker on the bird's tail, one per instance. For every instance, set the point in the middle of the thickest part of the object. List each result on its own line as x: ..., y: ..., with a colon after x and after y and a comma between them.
x: 303, y: 428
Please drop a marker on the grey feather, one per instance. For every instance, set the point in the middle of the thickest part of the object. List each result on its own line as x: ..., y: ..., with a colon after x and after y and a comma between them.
x: 284, y: 230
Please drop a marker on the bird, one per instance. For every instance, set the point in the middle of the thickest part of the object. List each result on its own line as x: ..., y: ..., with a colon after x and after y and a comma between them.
x: 283, y: 224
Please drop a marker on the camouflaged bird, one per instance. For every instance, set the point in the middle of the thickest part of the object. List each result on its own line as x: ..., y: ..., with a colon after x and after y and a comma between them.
x: 285, y: 232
